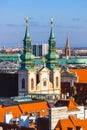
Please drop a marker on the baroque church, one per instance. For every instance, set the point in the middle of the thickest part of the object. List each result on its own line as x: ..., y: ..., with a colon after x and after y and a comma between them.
x: 46, y: 80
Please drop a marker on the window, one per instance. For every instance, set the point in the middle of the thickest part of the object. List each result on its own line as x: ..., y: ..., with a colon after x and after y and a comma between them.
x: 44, y: 82
x: 56, y: 81
x: 23, y: 83
x: 32, y: 84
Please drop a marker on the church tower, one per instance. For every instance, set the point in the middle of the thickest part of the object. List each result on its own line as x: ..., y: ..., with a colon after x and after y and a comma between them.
x: 52, y: 63
x: 27, y: 72
x: 67, y: 48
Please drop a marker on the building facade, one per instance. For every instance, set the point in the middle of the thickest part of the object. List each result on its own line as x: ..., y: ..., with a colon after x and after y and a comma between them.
x: 47, y: 79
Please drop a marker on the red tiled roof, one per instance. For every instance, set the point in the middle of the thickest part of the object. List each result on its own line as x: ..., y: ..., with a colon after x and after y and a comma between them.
x: 71, y: 122
x: 70, y: 104
x: 64, y: 124
x: 14, y: 109
x: 23, y: 108
x: 81, y: 73
x: 34, y: 107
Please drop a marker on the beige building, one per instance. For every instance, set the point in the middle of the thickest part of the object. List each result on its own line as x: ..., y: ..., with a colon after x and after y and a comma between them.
x: 47, y: 79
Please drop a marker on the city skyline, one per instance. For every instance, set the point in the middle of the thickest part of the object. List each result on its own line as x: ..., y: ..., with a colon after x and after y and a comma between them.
x: 69, y: 20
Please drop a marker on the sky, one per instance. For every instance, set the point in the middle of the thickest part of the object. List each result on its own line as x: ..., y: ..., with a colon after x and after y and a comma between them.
x: 70, y: 19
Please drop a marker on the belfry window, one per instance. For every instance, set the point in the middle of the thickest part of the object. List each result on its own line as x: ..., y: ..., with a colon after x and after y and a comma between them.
x: 56, y: 81
x: 44, y: 82
x: 32, y: 84
x: 23, y: 83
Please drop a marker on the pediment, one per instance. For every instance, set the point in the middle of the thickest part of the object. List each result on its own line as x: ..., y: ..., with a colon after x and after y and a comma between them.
x: 44, y: 69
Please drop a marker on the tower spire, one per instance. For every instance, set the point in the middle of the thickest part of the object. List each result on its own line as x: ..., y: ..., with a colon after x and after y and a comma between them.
x: 52, y: 40
x: 27, y: 56
x: 67, y: 42
x: 52, y: 24
x: 27, y: 24
x: 67, y: 48
x: 52, y: 56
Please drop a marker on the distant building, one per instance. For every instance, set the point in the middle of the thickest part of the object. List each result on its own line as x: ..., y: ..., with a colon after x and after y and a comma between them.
x: 35, y: 49
x: 45, y: 49
x: 67, y: 48
x: 40, y: 49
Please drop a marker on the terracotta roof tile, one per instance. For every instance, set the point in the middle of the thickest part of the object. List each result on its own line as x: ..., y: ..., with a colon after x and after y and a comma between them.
x: 71, y: 122
x: 64, y: 124
x: 71, y: 105
x: 80, y: 73
x: 14, y: 109
x: 42, y: 107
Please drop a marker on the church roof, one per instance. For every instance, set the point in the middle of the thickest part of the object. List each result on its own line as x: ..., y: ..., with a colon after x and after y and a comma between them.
x: 67, y: 73
x: 39, y: 61
x: 10, y: 57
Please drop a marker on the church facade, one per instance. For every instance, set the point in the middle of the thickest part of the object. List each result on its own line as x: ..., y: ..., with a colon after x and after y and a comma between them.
x: 46, y: 80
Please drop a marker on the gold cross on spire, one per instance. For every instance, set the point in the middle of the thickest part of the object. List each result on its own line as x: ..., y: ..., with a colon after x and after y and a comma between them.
x: 27, y: 21
x: 52, y: 22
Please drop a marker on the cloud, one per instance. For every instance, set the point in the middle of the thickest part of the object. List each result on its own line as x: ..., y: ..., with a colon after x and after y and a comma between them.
x: 75, y: 27
x: 14, y: 25
x: 70, y: 27
x: 31, y: 24
x: 76, y: 19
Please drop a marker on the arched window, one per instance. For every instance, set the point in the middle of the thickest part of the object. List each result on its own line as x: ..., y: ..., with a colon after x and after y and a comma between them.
x: 56, y: 81
x: 32, y: 84
x: 44, y: 82
x: 23, y: 83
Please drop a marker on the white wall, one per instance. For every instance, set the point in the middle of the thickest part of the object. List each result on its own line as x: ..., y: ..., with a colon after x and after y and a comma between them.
x: 8, y: 117
x: 62, y: 113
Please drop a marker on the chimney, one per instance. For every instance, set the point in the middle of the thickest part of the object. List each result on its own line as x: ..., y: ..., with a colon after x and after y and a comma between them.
x: 8, y: 117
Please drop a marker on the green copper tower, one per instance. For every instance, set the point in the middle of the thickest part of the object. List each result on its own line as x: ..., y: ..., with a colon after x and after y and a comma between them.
x: 27, y: 56
x: 52, y: 56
